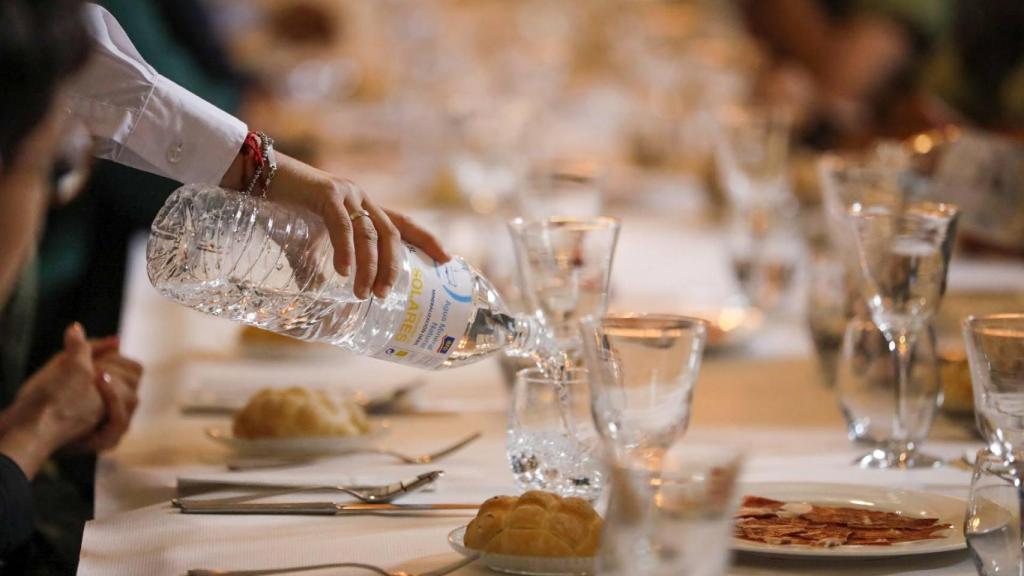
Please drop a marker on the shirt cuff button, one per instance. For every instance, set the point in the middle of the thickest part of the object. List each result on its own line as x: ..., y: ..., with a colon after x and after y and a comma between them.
x: 174, y: 153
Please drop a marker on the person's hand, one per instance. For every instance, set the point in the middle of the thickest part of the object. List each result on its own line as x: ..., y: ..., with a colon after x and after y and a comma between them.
x: 59, y: 403
x: 371, y: 243
x: 117, y: 379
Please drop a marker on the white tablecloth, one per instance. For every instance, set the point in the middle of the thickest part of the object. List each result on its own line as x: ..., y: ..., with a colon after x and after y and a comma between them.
x: 765, y: 399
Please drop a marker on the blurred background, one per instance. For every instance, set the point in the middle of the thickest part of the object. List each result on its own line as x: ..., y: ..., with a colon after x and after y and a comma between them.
x: 728, y: 136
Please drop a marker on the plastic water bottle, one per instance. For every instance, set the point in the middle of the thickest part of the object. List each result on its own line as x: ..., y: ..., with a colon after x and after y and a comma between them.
x: 253, y: 261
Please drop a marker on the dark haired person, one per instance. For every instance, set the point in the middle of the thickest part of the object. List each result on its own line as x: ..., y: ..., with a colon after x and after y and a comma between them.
x: 61, y: 59
x: 82, y: 399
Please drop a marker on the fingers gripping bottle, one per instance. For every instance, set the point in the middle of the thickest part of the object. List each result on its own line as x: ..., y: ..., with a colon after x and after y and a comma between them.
x: 266, y: 265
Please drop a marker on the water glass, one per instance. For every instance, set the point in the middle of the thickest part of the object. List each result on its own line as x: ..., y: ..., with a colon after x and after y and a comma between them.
x: 866, y: 384
x: 995, y: 352
x: 992, y: 524
x: 904, y: 256
x: 676, y: 520
x: 564, y: 266
x: 848, y: 181
x: 642, y: 370
x: 552, y: 443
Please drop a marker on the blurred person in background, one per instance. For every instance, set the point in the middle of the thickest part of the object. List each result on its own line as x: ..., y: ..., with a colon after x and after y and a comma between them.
x: 82, y: 399
x: 856, y: 70
x: 140, y: 118
x: 79, y: 273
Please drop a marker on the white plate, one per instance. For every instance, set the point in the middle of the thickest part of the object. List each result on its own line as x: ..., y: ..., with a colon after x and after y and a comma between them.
x: 915, y: 504
x: 527, y: 565
x: 299, y: 446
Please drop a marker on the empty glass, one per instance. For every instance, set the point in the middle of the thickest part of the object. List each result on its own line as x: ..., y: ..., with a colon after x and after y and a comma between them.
x: 992, y: 524
x: 848, y: 181
x: 765, y: 247
x: 672, y: 521
x: 751, y: 153
x: 552, y: 443
x: 866, y: 384
x: 904, y: 254
x: 764, y: 239
x: 827, y: 311
x: 995, y: 352
x: 642, y: 371
x: 564, y: 266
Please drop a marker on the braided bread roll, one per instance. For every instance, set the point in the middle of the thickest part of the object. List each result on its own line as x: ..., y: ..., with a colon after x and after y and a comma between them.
x: 535, y: 524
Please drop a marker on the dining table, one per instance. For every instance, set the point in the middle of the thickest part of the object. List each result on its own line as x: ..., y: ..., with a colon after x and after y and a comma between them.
x: 764, y: 396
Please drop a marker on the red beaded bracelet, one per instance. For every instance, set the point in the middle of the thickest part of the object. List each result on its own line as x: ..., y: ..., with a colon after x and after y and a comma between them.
x: 260, y: 149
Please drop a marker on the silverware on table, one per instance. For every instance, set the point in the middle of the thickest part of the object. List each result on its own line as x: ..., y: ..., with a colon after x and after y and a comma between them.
x: 309, y: 508
x: 240, y: 464
x: 383, y: 493
x: 448, y: 569
x: 388, y: 402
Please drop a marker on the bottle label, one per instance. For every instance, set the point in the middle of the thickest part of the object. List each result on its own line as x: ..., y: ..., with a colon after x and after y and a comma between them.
x: 436, y: 314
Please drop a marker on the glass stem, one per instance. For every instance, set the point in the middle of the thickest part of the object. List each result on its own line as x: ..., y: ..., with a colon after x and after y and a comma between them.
x: 902, y: 345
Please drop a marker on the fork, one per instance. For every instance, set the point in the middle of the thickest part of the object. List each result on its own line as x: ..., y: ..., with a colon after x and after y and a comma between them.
x: 368, y: 494
x: 368, y: 567
x: 262, y: 463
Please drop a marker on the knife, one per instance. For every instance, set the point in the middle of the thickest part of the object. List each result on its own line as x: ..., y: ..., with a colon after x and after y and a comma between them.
x: 309, y: 508
x: 192, y: 486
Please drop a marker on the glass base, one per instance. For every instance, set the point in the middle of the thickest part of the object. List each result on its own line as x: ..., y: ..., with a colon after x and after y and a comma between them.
x: 898, y: 459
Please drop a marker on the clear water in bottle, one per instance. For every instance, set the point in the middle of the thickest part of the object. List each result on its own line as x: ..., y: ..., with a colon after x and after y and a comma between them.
x: 270, y: 266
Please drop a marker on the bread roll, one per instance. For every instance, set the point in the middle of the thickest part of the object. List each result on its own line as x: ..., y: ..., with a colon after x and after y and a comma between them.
x: 535, y: 524
x: 296, y: 411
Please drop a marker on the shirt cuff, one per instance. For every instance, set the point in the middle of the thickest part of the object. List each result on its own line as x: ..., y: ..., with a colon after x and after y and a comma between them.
x: 183, y: 137
x: 15, y: 505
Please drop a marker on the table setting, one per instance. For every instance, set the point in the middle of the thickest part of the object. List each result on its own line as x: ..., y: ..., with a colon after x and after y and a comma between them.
x: 737, y: 381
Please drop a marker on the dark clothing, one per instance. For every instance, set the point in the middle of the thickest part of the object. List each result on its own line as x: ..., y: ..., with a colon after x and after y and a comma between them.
x: 15, y: 506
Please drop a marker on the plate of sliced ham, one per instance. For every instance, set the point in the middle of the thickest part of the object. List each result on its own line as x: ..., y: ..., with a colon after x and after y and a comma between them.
x: 844, y: 520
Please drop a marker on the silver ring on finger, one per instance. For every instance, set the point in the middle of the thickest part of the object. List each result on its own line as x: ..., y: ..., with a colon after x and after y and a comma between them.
x: 357, y: 214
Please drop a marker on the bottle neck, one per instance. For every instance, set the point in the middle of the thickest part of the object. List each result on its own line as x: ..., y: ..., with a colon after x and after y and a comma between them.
x: 529, y: 338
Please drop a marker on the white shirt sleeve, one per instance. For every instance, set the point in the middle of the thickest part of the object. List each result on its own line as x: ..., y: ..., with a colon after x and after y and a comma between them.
x: 139, y: 118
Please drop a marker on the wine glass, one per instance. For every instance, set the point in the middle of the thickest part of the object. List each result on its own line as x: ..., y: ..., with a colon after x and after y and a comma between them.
x: 642, y: 372
x: 751, y: 152
x: 564, y: 268
x: 904, y: 256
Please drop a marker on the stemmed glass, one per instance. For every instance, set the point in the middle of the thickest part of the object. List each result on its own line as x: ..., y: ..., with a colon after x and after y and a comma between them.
x: 642, y: 372
x: 904, y: 255
x: 669, y: 511
x: 564, y: 267
x: 751, y: 156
